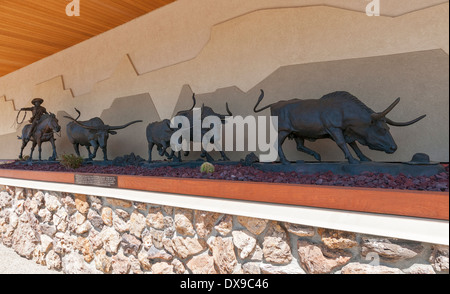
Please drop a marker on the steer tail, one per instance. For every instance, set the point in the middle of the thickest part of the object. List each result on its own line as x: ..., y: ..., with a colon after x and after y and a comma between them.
x: 74, y: 119
x: 259, y: 101
x: 79, y: 114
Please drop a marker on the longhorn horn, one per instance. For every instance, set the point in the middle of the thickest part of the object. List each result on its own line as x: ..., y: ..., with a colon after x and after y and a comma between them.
x: 112, y: 128
x: 404, y: 124
x: 223, y: 117
x: 380, y: 115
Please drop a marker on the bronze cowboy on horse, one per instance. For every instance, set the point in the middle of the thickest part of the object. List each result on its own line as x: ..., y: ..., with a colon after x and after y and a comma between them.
x: 41, y: 128
x: 37, y: 111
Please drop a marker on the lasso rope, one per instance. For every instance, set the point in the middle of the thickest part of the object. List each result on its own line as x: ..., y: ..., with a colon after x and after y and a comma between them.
x: 16, y: 123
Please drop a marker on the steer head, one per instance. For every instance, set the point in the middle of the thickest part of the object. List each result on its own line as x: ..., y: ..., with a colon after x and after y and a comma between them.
x: 374, y: 132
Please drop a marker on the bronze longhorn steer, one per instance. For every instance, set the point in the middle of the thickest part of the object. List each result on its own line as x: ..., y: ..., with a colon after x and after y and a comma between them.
x: 205, y: 112
x: 339, y: 116
x: 93, y: 132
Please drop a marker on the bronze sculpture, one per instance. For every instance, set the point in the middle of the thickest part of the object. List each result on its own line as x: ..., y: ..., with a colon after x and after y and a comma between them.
x: 37, y: 111
x: 205, y: 112
x: 339, y: 116
x: 159, y: 134
x: 93, y: 132
x: 41, y: 130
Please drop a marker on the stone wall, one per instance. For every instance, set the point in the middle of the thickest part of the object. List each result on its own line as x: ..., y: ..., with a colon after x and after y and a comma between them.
x: 75, y: 233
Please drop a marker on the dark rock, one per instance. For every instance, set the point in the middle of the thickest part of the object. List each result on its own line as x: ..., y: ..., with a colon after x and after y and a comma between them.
x: 128, y: 160
x: 250, y: 159
x: 420, y: 158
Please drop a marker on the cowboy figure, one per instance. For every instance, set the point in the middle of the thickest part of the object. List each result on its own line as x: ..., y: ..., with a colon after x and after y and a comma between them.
x: 37, y: 111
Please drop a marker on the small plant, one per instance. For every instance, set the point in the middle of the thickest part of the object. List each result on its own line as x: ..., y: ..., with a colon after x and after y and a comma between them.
x: 207, y: 168
x: 25, y: 158
x: 71, y: 161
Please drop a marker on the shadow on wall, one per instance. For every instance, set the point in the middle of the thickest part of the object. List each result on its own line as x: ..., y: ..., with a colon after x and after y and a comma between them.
x: 122, y: 111
x: 132, y: 138
x: 419, y: 78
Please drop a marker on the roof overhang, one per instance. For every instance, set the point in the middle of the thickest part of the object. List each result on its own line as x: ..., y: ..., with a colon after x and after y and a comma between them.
x: 31, y: 30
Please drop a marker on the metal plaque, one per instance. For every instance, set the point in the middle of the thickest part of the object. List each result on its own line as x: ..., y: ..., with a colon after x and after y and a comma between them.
x: 96, y: 180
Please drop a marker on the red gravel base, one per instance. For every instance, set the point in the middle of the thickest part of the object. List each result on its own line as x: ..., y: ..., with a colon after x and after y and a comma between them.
x: 439, y: 182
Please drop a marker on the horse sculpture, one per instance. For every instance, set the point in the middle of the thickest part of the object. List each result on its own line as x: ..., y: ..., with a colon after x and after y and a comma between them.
x: 44, y: 132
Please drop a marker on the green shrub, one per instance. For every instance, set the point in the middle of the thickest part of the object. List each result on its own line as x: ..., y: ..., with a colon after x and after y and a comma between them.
x: 25, y: 158
x: 207, y: 168
x: 71, y: 161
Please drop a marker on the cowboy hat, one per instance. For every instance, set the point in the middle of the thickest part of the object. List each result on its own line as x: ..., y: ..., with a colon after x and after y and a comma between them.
x: 40, y: 100
x: 421, y: 159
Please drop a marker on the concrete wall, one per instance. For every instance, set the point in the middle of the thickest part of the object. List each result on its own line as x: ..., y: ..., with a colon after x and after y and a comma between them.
x: 230, y: 50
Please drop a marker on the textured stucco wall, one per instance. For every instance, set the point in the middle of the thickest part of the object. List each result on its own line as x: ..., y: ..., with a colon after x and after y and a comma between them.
x: 241, y: 46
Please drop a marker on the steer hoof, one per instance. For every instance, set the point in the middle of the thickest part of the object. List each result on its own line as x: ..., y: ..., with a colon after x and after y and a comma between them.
x: 353, y: 161
x: 366, y: 159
